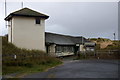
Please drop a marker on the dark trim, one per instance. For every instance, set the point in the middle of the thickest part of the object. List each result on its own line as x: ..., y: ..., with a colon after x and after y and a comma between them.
x: 65, y: 44
x: 11, y: 15
x: 47, y: 43
x: 76, y: 49
x: 89, y: 46
x: 37, y: 20
x: 47, y: 48
x: 8, y: 17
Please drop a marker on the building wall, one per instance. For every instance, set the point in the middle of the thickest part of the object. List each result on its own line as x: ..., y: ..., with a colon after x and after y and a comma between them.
x: 27, y: 34
x: 52, y: 49
x: 82, y: 48
x: 64, y: 53
x: 64, y: 50
x: 90, y: 49
x: 9, y: 30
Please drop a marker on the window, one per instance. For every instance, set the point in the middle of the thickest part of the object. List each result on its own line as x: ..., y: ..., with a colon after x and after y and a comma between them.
x: 60, y: 49
x: 37, y: 20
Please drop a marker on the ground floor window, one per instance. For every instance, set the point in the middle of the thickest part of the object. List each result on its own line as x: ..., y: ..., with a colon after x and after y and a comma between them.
x: 60, y: 49
x: 89, y: 48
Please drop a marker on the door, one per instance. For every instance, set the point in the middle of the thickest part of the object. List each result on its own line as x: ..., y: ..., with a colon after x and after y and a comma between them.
x: 76, y: 49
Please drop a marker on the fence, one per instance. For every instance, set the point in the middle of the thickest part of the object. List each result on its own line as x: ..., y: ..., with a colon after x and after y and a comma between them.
x: 110, y: 54
x: 101, y: 54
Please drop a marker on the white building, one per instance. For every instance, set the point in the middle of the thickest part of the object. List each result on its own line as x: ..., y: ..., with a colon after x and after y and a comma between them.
x: 26, y: 29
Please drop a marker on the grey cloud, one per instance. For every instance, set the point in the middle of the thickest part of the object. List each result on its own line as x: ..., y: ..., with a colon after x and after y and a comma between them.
x: 89, y: 19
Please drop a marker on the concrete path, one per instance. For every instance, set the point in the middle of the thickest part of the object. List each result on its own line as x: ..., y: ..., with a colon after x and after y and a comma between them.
x: 81, y: 69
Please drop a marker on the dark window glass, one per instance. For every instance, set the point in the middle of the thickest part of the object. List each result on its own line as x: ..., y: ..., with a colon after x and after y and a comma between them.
x: 37, y: 20
x: 60, y: 49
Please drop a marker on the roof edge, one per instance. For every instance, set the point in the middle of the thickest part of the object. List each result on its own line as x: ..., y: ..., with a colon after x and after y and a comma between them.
x: 12, y: 14
x: 64, y: 35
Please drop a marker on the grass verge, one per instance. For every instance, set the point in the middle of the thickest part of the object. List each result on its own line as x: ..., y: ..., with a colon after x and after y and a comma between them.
x: 26, y: 61
x: 19, y: 71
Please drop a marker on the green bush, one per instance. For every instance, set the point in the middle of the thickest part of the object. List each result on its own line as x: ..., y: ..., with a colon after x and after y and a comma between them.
x: 28, y: 65
x: 94, y: 39
x: 25, y: 58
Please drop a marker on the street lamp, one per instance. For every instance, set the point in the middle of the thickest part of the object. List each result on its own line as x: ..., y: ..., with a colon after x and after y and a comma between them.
x: 114, y: 36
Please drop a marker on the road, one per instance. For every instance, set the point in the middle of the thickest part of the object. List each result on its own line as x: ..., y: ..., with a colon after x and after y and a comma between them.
x: 81, y: 69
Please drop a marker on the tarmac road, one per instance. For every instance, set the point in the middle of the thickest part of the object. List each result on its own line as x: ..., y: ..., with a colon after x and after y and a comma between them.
x: 81, y: 69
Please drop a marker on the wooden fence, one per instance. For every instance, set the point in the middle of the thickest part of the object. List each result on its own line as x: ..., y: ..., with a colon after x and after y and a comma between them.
x: 102, y: 54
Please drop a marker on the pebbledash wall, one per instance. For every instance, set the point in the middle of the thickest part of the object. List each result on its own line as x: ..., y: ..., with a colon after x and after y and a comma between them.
x: 25, y: 33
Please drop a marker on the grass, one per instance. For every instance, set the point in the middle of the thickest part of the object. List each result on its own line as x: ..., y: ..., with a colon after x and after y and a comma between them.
x: 100, y: 39
x: 27, y: 61
x: 83, y: 56
x: 14, y: 67
x: 21, y: 71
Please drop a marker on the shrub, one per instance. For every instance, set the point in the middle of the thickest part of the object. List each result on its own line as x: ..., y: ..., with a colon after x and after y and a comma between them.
x: 28, y: 65
x: 27, y: 58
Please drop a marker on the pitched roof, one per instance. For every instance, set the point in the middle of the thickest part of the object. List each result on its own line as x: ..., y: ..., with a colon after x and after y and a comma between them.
x: 63, y: 39
x: 27, y: 13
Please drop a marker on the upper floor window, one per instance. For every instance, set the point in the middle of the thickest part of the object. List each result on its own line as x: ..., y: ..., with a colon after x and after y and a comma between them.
x: 37, y: 20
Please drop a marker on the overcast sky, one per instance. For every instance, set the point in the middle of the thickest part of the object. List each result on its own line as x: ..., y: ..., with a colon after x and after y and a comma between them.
x: 88, y: 19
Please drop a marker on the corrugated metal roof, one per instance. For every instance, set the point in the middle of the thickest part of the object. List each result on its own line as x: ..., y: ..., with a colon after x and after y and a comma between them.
x: 26, y: 12
x: 90, y: 44
x: 62, y: 39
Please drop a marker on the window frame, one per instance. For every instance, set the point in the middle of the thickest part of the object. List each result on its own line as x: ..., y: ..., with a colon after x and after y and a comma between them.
x: 60, y: 49
x: 37, y: 21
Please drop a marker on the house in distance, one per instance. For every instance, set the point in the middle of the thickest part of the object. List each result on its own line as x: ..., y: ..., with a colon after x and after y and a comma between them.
x: 26, y: 29
x: 62, y: 45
